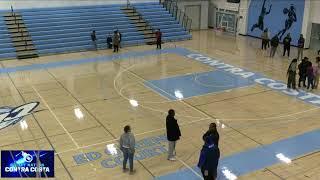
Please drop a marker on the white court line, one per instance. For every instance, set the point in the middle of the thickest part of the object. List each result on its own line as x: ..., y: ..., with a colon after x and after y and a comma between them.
x: 146, y: 132
x: 57, y: 119
x: 169, y: 94
x: 55, y: 116
x: 190, y: 168
x: 140, y: 105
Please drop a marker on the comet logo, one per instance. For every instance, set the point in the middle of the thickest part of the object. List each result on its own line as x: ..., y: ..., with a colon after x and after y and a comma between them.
x: 11, y: 116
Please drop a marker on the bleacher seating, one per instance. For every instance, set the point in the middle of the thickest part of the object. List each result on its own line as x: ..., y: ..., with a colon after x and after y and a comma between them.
x: 160, y: 18
x: 67, y: 29
x: 6, y: 47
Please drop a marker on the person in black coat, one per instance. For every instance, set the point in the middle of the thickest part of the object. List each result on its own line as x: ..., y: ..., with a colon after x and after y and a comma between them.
x: 173, y: 134
x: 303, y: 72
x: 287, y: 44
x: 212, y: 132
x: 274, y: 45
x: 209, y: 159
x: 94, y: 39
x: 109, y: 41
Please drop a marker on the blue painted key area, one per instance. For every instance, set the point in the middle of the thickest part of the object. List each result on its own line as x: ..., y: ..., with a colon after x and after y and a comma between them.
x: 197, y: 84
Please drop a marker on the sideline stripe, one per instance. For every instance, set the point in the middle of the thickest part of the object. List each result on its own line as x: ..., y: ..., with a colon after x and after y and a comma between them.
x: 258, y: 158
x: 85, y: 60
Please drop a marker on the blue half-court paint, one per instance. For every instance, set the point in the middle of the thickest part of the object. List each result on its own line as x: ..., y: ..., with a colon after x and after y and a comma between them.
x: 186, y: 86
x: 239, y: 164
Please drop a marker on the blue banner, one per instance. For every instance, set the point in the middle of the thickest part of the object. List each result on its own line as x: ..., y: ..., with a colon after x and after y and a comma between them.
x: 279, y: 16
x: 22, y: 164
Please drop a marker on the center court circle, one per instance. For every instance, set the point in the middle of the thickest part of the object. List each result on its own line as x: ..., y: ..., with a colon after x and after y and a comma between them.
x: 215, y: 81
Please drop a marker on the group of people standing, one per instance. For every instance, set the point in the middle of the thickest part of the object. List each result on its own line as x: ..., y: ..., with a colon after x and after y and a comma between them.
x: 274, y: 42
x: 115, y: 40
x: 112, y: 41
x: 307, y: 72
x: 209, y: 155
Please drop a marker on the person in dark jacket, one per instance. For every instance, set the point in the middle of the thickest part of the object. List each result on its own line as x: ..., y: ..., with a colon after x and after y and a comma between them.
x: 310, y: 76
x: 209, y: 159
x: 173, y: 134
x: 291, y: 73
x: 116, y: 41
x: 265, y: 39
x: 286, y: 45
x: 274, y: 45
x: 212, y: 132
x: 300, y: 47
x: 109, y: 41
x: 303, y: 72
x: 159, y: 38
x: 120, y: 38
x: 94, y: 39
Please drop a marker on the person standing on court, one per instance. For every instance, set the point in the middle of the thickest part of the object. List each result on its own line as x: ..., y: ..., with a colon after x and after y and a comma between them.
x: 159, y: 39
x: 173, y: 134
x: 209, y: 159
x: 109, y: 41
x: 316, y: 70
x: 310, y: 76
x: 274, y: 45
x: 286, y: 45
x: 116, y: 41
x: 300, y: 47
x: 127, y: 146
x: 94, y: 39
x: 291, y: 73
x: 265, y: 39
x: 213, y: 132
x: 303, y: 72
x: 120, y: 38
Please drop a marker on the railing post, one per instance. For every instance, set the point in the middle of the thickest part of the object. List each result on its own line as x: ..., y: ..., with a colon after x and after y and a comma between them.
x: 180, y: 16
x: 176, y: 14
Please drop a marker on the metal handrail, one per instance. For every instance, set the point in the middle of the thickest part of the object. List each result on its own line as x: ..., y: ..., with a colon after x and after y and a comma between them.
x: 179, y: 15
x: 20, y: 30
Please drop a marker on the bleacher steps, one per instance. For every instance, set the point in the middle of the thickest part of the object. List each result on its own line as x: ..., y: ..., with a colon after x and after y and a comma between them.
x: 140, y: 23
x: 17, y: 31
x: 27, y: 54
x: 21, y: 39
x: 20, y: 36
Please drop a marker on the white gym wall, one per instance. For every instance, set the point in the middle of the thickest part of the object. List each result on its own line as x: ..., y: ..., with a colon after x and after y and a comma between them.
x: 196, y: 9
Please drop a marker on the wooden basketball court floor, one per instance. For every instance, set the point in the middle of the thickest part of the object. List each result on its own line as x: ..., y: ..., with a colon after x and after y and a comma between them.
x: 84, y: 107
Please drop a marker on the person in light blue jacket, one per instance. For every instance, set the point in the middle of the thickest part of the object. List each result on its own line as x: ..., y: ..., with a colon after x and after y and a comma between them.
x: 127, y: 146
